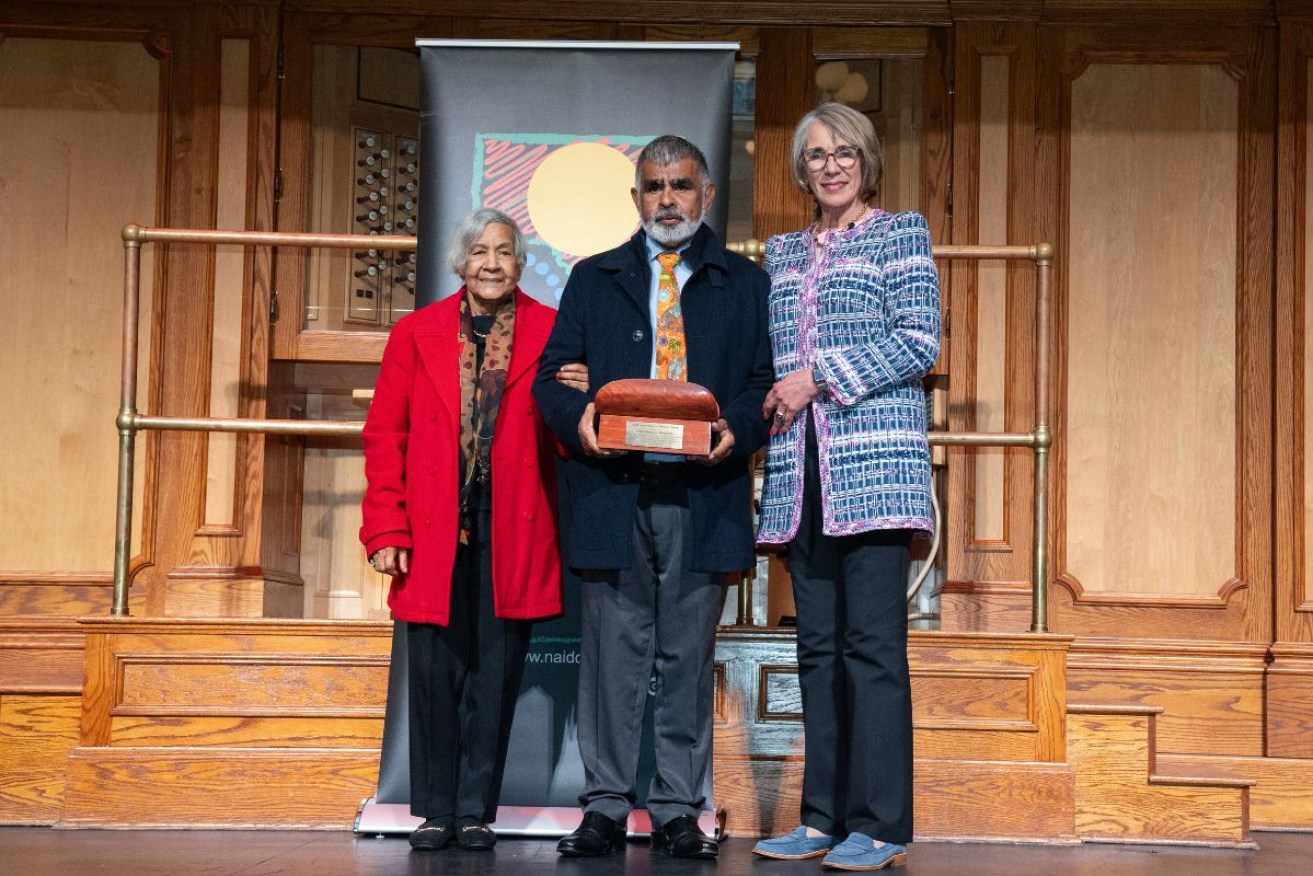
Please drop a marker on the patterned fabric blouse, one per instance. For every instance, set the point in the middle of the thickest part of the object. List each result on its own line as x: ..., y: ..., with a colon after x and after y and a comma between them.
x: 865, y: 309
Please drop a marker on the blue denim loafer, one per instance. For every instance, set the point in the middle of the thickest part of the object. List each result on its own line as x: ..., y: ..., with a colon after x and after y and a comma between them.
x: 858, y: 852
x: 794, y: 846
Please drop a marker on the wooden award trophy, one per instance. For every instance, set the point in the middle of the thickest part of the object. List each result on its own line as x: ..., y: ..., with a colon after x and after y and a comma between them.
x: 665, y: 416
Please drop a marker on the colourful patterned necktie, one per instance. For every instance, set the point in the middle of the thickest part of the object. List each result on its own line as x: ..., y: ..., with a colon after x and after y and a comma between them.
x: 671, y: 357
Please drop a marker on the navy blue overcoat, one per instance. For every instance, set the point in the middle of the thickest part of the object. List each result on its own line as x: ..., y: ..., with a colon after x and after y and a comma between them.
x: 605, y: 322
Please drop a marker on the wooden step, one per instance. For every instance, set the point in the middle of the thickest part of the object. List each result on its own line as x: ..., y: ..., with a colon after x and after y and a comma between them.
x: 287, y: 788
x: 1123, y: 794
x: 1280, y: 799
x: 40, y: 705
x: 1166, y: 773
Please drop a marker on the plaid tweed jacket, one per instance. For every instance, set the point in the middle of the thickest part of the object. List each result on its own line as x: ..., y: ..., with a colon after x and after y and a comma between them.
x: 865, y: 309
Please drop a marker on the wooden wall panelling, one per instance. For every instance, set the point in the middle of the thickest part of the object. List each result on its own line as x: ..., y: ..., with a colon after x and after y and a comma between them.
x: 989, y: 508
x: 1148, y: 423
x: 281, y: 593
x: 232, y: 263
x: 40, y: 702
x: 784, y: 94
x: 66, y: 595
x: 242, y: 723
x: 182, y: 323
x: 86, y: 94
x: 1288, y: 707
x: 1289, y: 693
x: 339, y: 581
x: 209, y: 569
x: 1290, y: 687
x: 937, y: 165
x: 1163, y: 605
x: 280, y: 539
x: 1211, y: 693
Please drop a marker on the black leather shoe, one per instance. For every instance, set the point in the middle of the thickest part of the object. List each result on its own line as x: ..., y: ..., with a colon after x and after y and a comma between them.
x: 432, y: 835
x: 596, y: 836
x: 475, y: 837
x: 682, y: 838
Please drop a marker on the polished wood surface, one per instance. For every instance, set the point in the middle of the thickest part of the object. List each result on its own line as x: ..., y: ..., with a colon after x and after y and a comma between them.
x: 41, y: 664
x: 1246, y: 58
x: 657, y: 398
x: 991, y: 315
x: 276, y: 723
x: 1293, y: 596
x: 1149, y: 421
x: 85, y: 161
x: 1122, y: 794
x: 287, y: 715
x: 626, y: 408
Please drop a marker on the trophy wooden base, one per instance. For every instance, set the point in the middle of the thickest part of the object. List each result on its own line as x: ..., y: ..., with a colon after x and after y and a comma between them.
x: 662, y: 416
x: 656, y: 434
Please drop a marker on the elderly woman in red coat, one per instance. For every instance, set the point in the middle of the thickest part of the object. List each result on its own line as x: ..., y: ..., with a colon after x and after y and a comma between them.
x: 455, y: 451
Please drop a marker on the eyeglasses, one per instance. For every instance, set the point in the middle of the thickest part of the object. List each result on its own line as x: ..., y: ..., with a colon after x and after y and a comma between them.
x: 844, y: 156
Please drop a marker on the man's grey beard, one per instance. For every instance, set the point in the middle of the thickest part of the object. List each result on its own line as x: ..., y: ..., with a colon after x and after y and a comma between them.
x: 674, y: 235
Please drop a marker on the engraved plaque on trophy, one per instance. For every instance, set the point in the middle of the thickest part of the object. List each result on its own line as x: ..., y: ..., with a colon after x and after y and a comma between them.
x: 665, y: 416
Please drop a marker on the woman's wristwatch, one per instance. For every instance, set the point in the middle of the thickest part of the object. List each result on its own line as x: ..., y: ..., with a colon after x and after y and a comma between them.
x: 822, y: 385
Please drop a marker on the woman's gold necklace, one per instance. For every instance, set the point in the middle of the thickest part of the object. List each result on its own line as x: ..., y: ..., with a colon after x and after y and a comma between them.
x: 820, y: 233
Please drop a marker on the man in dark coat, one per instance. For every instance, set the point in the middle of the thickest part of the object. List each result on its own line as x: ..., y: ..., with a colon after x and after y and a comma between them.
x: 653, y: 535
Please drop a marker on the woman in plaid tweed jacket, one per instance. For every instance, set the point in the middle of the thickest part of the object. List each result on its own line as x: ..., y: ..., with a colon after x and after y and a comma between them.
x: 854, y: 324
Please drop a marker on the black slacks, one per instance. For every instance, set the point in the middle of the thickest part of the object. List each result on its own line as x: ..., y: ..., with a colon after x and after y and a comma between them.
x: 850, y: 595
x: 464, y: 681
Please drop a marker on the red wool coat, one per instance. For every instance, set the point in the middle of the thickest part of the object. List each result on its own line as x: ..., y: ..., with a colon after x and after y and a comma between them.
x: 412, y: 439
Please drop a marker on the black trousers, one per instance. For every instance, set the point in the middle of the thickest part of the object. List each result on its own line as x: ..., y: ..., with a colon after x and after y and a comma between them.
x: 464, y: 681
x: 850, y: 595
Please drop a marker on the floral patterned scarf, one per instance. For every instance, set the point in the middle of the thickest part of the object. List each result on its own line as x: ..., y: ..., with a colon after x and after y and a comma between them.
x: 480, y: 396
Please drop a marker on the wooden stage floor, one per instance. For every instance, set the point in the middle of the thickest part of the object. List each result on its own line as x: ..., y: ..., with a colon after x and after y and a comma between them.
x: 35, y: 851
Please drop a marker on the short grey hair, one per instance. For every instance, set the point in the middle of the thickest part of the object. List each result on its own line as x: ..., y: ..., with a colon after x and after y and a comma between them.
x: 848, y: 126
x: 471, y: 228
x: 669, y: 149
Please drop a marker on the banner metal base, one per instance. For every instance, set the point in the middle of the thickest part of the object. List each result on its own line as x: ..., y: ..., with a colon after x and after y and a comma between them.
x: 388, y: 819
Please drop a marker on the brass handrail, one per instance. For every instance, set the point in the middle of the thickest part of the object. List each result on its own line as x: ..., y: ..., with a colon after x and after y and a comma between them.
x: 129, y: 422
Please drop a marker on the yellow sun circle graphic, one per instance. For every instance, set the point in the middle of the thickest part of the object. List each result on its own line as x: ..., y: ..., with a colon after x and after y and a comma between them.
x: 579, y: 199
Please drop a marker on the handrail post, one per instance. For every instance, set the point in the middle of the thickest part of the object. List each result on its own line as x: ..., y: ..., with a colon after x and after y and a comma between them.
x: 744, y: 614
x: 1043, y: 440
x: 127, y: 413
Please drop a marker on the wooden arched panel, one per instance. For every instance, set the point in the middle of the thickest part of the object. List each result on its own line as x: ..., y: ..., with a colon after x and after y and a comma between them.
x: 81, y: 159
x: 1157, y: 147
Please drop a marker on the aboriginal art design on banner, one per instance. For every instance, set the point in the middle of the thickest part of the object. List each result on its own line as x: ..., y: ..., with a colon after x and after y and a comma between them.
x: 548, y: 183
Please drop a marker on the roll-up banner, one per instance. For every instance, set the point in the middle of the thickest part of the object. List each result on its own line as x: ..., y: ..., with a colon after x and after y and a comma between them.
x: 547, y: 132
